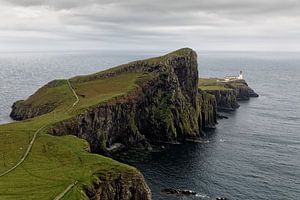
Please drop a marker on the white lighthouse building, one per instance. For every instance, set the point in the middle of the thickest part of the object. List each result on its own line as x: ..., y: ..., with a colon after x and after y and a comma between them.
x: 241, y: 75
x: 233, y: 78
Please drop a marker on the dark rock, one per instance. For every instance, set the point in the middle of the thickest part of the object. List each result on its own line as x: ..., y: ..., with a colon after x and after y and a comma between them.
x: 21, y: 111
x: 226, y: 99
x: 130, y: 186
x: 242, y: 90
x: 221, y: 198
x: 178, y: 192
x: 220, y: 116
x: 208, y: 111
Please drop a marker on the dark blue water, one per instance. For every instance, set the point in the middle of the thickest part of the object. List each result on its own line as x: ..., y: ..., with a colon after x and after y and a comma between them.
x: 255, y: 154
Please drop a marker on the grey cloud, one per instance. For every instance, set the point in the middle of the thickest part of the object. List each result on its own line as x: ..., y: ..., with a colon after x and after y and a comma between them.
x: 171, y: 22
x: 172, y: 5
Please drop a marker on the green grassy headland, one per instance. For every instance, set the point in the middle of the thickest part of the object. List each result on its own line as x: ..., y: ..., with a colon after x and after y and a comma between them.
x: 56, y: 162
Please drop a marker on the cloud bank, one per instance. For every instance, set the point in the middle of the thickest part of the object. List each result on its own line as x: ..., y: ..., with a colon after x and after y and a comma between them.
x: 156, y: 24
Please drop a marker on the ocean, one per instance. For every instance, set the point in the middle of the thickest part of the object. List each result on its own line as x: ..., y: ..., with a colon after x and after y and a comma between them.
x: 253, y: 155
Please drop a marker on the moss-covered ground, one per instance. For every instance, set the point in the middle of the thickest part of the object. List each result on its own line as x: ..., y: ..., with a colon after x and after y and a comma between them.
x: 56, y: 162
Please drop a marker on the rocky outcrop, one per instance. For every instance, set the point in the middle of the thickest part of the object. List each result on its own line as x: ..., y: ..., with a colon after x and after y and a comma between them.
x: 227, y: 97
x: 32, y: 107
x: 179, y: 192
x: 126, y: 186
x: 21, y: 111
x: 242, y: 90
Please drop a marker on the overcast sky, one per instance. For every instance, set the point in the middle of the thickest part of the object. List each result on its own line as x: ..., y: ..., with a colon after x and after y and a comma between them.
x: 150, y: 24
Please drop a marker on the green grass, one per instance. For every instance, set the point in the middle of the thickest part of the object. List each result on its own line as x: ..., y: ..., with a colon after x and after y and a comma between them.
x: 90, y: 92
x: 213, y: 87
x: 56, y: 162
x: 163, y: 59
x: 159, y: 59
x: 212, y: 84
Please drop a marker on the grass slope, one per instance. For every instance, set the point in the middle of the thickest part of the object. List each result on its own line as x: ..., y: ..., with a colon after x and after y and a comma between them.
x: 56, y: 162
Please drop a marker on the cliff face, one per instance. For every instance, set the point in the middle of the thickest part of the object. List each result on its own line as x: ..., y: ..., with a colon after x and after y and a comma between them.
x: 32, y: 107
x: 21, y: 112
x: 167, y: 107
x: 226, y: 99
x: 208, y: 110
x: 242, y: 90
x: 127, y: 186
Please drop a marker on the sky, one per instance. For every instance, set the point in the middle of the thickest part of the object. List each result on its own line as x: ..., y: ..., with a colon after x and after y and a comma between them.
x: 217, y: 25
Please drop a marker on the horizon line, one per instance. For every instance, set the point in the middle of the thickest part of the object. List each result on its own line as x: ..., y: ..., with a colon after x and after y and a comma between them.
x: 139, y: 50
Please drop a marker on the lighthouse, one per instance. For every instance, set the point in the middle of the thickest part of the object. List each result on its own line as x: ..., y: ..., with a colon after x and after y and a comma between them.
x: 241, y: 75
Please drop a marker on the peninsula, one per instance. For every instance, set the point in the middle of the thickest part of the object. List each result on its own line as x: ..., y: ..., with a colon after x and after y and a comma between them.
x: 52, y: 151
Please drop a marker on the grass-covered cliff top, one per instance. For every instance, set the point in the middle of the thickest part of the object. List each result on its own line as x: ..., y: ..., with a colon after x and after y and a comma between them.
x: 184, y: 52
x: 212, y: 84
x: 56, y: 162
x: 219, y: 84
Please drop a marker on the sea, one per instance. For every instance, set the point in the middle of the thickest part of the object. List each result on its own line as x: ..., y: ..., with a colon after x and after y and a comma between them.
x: 252, y: 155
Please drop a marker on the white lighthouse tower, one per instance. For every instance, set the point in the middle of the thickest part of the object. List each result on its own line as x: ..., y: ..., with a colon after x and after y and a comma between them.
x: 241, y: 75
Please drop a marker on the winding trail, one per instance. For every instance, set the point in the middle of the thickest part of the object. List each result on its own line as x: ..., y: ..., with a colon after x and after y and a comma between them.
x: 26, y: 153
x: 74, y: 93
x: 61, y: 195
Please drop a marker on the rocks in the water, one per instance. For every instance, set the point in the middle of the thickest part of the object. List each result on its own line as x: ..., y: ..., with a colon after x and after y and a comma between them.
x: 115, y: 148
x: 178, y: 191
x: 221, y: 198
x: 220, y: 116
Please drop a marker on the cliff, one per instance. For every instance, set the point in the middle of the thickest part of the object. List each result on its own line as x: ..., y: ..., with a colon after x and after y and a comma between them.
x: 165, y: 105
x: 227, y: 94
x: 126, y: 186
x: 208, y: 110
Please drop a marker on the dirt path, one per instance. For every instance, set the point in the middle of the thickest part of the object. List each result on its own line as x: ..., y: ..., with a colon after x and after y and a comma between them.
x: 74, y: 93
x: 61, y: 195
x: 26, y: 153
